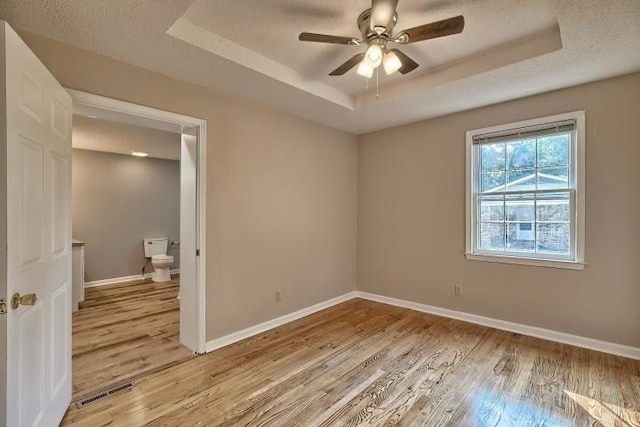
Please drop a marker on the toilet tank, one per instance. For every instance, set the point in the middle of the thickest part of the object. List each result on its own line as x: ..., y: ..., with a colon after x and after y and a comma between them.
x: 155, y: 246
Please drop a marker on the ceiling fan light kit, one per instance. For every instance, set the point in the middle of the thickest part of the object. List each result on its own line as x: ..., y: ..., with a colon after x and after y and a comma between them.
x: 376, y: 26
x: 373, y: 55
x: 365, y: 69
x: 391, y: 63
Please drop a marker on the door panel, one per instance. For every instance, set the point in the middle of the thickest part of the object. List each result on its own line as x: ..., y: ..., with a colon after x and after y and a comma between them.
x: 31, y: 95
x: 59, y: 339
x: 31, y: 354
x: 60, y: 201
x: 38, y: 112
x: 60, y: 120
x: 29, y: 177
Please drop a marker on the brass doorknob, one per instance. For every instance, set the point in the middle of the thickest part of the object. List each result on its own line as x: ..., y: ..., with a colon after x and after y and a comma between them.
x: 17, y: 300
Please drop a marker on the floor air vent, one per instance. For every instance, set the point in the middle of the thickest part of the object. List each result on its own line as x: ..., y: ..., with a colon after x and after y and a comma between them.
x: 106, y: 393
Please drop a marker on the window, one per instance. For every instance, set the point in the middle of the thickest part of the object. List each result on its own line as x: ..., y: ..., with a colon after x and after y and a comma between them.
x: 525, y: 192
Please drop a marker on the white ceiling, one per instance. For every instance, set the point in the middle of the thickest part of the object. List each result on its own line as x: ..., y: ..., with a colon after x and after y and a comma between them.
x: 508, y: 49
x: 96, y: 134
x: 93, y: 112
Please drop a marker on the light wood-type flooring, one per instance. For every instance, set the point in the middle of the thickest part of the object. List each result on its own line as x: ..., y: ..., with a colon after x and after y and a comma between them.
x: 123, y: 331
x: 365, y: 363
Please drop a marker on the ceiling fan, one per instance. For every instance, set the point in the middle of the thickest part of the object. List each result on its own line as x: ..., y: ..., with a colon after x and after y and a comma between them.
x: 376, y: 26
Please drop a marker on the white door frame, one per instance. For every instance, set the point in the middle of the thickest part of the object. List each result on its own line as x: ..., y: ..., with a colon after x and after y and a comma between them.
x: 97, y: 101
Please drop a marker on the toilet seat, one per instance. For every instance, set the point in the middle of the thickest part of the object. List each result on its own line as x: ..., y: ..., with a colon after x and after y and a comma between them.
x: 162, y: 258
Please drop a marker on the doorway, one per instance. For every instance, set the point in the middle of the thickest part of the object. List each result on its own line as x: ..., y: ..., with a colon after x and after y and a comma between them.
x: 192, y: 174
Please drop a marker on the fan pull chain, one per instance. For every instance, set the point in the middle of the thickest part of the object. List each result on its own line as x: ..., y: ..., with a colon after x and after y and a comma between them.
x: 366, y: 84
x: 377, y: 85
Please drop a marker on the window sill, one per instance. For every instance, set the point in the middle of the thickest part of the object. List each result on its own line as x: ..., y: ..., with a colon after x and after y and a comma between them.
x: 568, y: 265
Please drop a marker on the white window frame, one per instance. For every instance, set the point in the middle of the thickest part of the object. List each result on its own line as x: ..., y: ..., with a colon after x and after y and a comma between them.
x: 577, y: 181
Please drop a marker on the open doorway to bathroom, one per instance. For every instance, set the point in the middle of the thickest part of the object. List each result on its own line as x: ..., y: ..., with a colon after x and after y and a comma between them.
x: 138, y: 208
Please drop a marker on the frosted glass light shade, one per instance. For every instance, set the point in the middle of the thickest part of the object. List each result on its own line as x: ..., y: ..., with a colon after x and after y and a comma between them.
x: 365, y: 69
x: 373, y: 55
x: 391, y: 63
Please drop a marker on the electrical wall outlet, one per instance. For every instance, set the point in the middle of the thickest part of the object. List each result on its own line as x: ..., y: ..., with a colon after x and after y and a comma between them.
x: 278, y: 296
x: 457, y: 289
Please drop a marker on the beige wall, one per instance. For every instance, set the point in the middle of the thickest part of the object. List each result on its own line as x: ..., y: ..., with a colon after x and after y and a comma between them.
x: 118, y: 200
x: 3, y: 228
x: 281, y: 191
x: 281, y: 210
x: 411, y: 191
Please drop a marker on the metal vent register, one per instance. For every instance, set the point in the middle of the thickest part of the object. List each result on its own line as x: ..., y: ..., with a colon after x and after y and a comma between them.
x: 106, y: 393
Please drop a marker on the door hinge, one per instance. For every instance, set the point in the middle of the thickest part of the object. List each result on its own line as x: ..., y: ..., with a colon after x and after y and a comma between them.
x: 197, y: 252
x: 3, y: 306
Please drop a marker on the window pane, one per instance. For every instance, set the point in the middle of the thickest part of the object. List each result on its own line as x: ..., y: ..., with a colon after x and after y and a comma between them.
x: 521, y: 237
x: 492, y: 157
x: 524, y: 180
x: 521, y: 154
x: 492, y: 236
x: 553, y: 207
x: 553, y: 238
x: 491, y: 208
x: 492, y: 181
x: 552, y: 178
x: 520, y: 208
x: 553, y: 150
x: 521, y: 180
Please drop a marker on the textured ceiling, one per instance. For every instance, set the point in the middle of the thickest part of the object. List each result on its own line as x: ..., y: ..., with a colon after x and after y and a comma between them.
x: 278, y: 39
x: 508, y: 49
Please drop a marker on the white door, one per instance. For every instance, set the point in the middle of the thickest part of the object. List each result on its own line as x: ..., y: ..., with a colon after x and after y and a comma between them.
x: 38, y: 189
x: 189, y: 331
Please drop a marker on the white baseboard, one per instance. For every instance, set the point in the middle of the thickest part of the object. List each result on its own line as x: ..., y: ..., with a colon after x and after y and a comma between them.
x: 547, y: 334
x: 122, y: 279
x: 270, y: 324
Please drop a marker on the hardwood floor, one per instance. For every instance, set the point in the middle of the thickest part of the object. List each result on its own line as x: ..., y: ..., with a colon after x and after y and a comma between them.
x: 125, y: 330
x: 365, y: 363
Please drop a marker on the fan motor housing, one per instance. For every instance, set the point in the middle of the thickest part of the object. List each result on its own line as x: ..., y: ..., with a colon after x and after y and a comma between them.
x: 364, y: 24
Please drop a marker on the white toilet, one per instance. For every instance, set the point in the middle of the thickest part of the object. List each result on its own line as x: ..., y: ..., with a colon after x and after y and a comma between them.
x: 156, y: 249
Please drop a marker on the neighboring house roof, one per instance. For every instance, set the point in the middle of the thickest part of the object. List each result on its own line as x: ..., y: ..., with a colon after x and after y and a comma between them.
x: 523, y: 183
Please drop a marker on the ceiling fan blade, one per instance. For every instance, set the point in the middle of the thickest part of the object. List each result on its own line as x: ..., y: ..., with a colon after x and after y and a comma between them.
x: 325, y: 38
x: 434, y: 30
x: 352, y: 62
x: 382, y: 13
x: 408, y: 64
